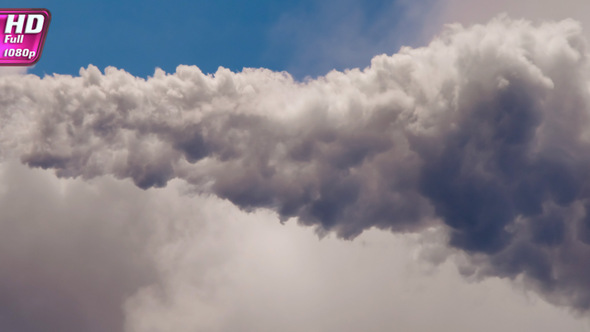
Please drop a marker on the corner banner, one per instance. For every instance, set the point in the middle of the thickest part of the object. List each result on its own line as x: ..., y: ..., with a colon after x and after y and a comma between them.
x: 22, y: 33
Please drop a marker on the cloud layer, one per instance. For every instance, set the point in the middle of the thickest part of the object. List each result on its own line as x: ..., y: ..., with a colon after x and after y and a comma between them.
x: 104, y: 255
x: 484, y: 131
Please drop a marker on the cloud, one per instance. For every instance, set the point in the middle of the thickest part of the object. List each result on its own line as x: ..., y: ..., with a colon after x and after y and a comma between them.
x: 484, y: 132
x: 469, y: 12
x: 71, y: 252
x: 105, y: 255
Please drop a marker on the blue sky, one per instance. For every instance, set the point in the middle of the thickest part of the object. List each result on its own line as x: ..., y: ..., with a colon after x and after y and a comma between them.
x: 304, y: 37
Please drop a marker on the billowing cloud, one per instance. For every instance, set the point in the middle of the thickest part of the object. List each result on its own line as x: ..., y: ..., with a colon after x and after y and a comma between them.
x: 484, y: 131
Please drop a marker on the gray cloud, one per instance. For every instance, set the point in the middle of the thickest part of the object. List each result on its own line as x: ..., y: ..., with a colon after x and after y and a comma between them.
x: 71, y: 253
x: 485, y: 130
x: 161, y: 260
x: 475, y: 11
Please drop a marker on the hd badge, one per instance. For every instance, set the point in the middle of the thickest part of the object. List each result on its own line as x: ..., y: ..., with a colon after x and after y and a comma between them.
x: 23, y: 34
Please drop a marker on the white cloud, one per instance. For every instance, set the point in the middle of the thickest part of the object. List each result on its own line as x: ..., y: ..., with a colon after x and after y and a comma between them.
x: 102, y: 254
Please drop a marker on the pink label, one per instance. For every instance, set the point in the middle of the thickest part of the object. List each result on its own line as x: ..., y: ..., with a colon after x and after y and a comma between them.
x: 22, y: 33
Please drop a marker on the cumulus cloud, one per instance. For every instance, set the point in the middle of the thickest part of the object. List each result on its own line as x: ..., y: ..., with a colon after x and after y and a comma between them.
x: 484, y: 131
